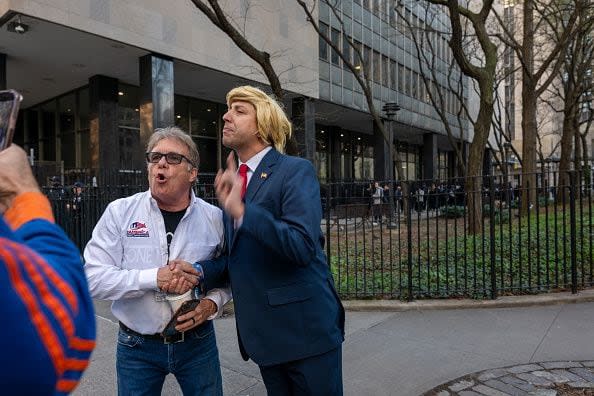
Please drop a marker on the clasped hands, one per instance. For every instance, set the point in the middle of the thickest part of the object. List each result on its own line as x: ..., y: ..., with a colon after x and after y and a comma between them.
x: 177, y: 277
x: 228, y: 186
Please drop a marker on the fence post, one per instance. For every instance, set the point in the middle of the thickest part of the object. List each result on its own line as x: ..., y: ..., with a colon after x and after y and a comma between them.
x: 409, y: 243
x: 328, y: 205
x: 492, y: 236
x: 572, y: 230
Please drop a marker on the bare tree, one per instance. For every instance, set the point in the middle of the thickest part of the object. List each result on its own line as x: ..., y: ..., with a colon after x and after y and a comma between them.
x: 571, y: 92
x: 482, y: 69
x: 425, y: 36
x: 539, y: 69
x: 214, y: 12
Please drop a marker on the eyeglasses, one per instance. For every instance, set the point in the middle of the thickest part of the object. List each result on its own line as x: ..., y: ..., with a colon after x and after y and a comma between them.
x: 171, y: 158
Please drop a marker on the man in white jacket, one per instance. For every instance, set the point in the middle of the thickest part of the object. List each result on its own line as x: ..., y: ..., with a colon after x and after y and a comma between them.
x: 128, y: 259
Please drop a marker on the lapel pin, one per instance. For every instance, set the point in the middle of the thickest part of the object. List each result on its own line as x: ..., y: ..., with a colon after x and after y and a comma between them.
x: 263, y: 175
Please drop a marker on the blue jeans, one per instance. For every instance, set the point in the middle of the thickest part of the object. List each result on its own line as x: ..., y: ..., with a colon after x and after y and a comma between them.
x: 143, y: 363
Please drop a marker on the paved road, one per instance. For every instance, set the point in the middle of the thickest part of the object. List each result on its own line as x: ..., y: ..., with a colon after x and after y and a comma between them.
x: 398, y: 353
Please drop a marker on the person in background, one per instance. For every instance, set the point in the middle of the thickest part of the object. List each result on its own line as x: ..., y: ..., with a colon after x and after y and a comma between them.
x: 128, y: 261
x: 48, y: 326
x: 398, y: 199
x: 378, y: 198
x: 77, y: 197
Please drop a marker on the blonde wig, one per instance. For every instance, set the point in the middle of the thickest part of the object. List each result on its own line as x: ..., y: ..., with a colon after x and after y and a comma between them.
x: 273, y: 125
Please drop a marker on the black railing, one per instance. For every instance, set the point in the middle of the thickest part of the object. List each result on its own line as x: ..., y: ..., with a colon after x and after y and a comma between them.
x: 78, y: 214
x: 428, y: 242
x: 426, y: 239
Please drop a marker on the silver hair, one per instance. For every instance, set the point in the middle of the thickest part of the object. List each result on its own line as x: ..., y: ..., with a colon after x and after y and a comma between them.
x: 173, y: 132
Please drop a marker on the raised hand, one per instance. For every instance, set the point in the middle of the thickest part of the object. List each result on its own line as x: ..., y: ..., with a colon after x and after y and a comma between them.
x: 228, y: 186
x: 16, y: 176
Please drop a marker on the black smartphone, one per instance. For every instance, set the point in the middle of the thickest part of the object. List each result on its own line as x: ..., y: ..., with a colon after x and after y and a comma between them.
x: 10, y: 101
x: 186, y: 307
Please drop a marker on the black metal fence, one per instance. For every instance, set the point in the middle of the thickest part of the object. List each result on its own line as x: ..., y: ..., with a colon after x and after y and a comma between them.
x: 425, y: 241
x: 77, y: 212
x: 422, y: 239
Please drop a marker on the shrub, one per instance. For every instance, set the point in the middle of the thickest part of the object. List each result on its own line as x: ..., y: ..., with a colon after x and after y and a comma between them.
x: 452, y: 212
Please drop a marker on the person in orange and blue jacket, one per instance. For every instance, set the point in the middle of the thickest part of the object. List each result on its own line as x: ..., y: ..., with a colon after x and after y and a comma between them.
x: 48, y: 324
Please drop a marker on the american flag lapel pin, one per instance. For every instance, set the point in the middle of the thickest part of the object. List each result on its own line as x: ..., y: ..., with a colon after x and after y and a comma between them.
x: 263, y: 175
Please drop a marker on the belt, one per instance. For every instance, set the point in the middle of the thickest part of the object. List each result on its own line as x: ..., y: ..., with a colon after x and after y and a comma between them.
x: 178, y: 337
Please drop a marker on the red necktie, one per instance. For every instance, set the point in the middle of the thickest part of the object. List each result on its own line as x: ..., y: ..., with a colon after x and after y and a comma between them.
x: 243, y: 169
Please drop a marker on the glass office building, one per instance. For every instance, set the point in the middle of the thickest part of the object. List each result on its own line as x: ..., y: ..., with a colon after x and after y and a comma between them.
x: 99, y: 76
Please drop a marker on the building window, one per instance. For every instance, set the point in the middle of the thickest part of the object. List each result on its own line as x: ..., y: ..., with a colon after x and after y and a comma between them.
x: 128, y: 125
x: 393, y: 75
x: 377, y: 75
x: 31, y: 138
x: 335, y: 41
x: 367, y: 59
x: 400, y: 87
x: 182, y: 113
x: 321, y: 155
x: 48, y: 131
x: 443, y: 173
x: 385, y: 71
x: 362, y: 157
x: 200, y: 119
x: 346, y: 49
x: 204, y: 129
x: 83, y: 132
x: 66, y: 110
x: 407, y: 81
x: 323, y: 46
x: 410, y: 158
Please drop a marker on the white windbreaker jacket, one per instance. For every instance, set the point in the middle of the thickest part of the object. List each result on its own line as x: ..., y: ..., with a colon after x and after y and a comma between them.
x: 129, y: 245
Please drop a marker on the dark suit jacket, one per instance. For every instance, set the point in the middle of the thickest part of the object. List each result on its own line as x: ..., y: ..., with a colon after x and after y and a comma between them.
x: 286, y: 306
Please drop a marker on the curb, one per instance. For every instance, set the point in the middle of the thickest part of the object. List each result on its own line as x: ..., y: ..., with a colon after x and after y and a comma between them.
x: 500, y: 302
x: 426, y: 305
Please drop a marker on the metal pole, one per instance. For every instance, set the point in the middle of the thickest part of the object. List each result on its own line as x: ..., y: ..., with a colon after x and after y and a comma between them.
x: 409, y: 247
x: 572, y: 230
x: 492, y: 236
x: 328, y: 200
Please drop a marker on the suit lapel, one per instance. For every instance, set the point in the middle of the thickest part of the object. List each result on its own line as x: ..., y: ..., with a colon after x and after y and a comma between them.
x: 261, y: 174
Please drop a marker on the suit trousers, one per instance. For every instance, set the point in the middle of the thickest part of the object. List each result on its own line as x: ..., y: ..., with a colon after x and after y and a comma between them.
x: 319, y: 375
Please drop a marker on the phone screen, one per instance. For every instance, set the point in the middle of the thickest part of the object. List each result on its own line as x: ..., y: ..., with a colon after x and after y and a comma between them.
x: 9, y: 107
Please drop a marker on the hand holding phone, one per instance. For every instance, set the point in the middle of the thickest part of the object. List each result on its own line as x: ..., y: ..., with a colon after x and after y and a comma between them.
x: 10, y: 101
x: 186, y: 307
x: 16, y: 176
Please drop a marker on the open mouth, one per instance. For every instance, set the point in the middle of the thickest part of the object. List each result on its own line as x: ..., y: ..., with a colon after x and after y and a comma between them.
x: 161, y: 178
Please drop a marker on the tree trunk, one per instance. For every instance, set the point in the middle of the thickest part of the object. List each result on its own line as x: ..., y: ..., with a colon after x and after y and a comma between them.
x: 473, y: 187
x: 475, y: 159
x: 578, y: 164
x: 529, y: 100
x: 529, y: 132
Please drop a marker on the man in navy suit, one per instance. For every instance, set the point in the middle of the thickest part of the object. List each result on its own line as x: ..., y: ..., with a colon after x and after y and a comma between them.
x: 290, y: 320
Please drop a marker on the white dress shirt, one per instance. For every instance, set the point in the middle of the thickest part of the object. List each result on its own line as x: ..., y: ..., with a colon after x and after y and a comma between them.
x: 129, y: 245
x: 252, y: 164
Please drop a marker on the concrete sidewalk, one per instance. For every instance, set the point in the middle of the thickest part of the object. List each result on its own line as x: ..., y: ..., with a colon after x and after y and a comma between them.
x: 405, y: 351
